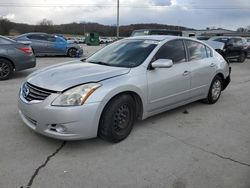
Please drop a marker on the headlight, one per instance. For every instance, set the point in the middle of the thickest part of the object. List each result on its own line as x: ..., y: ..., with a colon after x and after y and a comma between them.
x: 76, y: 96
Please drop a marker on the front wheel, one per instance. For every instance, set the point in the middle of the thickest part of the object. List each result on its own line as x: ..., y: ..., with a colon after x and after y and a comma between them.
x: 72, y: 52
x: 214, y: 91
x: 117, y: 119
x: 242, y: 57
x: 6, y: 69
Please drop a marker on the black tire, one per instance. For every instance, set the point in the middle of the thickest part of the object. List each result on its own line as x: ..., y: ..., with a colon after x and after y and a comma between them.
x: 33, y: 52
x: 6, y: 69
x: 117, y: 119
x: 242, y: 57
x: 214, y: 90
x: 72, y: 52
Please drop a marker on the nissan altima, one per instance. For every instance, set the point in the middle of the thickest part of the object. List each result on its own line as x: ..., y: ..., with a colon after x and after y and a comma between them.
x: 133, y: 78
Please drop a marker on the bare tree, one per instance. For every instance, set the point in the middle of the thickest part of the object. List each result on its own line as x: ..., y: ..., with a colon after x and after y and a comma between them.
x: 5, y: 26
x: 45, y: 26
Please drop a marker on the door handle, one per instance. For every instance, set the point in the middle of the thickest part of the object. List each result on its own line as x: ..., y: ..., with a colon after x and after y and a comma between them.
x: 212, y: 64
x: 185, y: 73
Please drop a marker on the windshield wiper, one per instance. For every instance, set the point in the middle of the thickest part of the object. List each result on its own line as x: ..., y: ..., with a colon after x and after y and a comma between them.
x: 99, y: 63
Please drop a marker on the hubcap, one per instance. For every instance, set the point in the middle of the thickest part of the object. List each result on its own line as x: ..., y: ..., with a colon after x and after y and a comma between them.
x: 4, y: 70
x: 216, y: 90
x: 122, y: 117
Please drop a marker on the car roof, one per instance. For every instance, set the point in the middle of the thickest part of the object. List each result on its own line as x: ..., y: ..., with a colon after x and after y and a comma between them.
x: 32, y: 33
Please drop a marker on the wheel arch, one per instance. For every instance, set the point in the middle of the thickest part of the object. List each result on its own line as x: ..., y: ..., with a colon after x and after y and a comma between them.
x: 223, y: 79
x: 136, y: 97
x: 8, y: 59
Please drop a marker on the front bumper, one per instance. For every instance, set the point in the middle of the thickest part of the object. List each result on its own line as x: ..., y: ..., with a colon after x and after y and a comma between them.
x: 73, y: 123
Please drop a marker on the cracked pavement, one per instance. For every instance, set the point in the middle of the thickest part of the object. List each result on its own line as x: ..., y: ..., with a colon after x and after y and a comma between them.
x: 207, y: 147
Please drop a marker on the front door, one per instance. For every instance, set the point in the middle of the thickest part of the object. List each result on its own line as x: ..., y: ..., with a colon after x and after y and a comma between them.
x: 169, y: 86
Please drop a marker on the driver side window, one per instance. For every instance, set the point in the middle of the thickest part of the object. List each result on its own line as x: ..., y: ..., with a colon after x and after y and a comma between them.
x: 173, y: 50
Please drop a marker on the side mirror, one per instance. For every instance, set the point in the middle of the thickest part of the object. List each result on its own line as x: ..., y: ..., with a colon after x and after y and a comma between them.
x: 162, y: 63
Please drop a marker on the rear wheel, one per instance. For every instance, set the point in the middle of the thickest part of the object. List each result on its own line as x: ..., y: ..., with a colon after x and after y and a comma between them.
x: 117, y: 119
x: 72, y: 52
x: 214, y: 91
x: 6, y: 69
x: 242, y: 57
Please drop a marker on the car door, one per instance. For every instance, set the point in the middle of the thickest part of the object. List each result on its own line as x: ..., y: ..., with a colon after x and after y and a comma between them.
x: 169, y: 86
x: 56, y: 45
x: 38, y: 43
x: 202, y: 67
x: 232, y: 48
x: 51, y: 44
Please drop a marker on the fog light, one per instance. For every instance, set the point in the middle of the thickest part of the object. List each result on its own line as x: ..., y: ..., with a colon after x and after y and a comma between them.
x: 57, y: 128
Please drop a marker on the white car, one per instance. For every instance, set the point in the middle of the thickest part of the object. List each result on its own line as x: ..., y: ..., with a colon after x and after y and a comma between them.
x: 105, y: 40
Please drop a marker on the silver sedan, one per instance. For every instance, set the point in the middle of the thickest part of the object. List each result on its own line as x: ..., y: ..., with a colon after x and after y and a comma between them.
x: 133, y: 78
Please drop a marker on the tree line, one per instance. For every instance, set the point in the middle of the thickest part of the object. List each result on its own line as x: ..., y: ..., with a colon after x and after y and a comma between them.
x: 7, y: 28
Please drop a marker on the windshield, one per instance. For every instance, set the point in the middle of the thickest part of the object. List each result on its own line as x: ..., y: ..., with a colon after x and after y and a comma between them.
x: 125, y: 53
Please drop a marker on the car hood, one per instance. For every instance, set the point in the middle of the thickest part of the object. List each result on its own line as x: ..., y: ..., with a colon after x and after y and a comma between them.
x: 63, y: 76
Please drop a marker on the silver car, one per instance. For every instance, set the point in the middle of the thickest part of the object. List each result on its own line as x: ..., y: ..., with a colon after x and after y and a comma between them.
x: 133, y: 78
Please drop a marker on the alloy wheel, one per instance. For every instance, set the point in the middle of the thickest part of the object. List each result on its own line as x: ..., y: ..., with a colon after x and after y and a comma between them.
x: 4, y: 70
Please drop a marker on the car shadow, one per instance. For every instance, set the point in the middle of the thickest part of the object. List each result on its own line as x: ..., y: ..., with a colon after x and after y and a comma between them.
x: 99, y: 144
x: 22, y: 74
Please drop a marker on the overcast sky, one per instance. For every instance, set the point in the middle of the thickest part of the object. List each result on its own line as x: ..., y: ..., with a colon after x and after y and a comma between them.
x: 198, y: 14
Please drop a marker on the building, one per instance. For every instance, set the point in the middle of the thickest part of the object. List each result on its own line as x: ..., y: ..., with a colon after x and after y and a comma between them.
x: 208, y: 32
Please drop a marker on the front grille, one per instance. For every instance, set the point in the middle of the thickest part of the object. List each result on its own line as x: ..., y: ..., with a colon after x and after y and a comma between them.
x: 31, y: 92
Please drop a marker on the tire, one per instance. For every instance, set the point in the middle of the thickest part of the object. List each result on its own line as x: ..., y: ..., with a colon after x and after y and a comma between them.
x: 6, y: 69
x: 33, y: 52
x: 72, y: 52
x: 117, y: 119
x: 214, y: 90
x: 242, y: 57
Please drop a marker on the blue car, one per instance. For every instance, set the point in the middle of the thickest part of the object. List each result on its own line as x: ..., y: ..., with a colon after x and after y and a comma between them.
x: 44, y: 44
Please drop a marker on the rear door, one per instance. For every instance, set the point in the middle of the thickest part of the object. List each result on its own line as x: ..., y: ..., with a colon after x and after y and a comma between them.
x: 202, y: 67
x: 169, y: 86
x: 38, y: 43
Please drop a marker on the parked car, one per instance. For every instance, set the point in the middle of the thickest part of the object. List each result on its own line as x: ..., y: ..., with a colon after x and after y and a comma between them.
x: 143, y: 32
x: 72, y: 40
x: 203, y: 38
x: 14, y: 56
x: 44, y: 44
x: 235, y: 47
x: 81, y: 40
x: 248, y: 46
x: 105, y: 40
x: 133, y: 78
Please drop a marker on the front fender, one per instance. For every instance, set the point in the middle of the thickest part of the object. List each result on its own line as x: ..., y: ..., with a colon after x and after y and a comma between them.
x: 121, y: 84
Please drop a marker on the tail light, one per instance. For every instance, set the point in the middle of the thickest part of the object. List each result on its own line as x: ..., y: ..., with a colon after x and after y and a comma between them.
x: 27, y: 50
